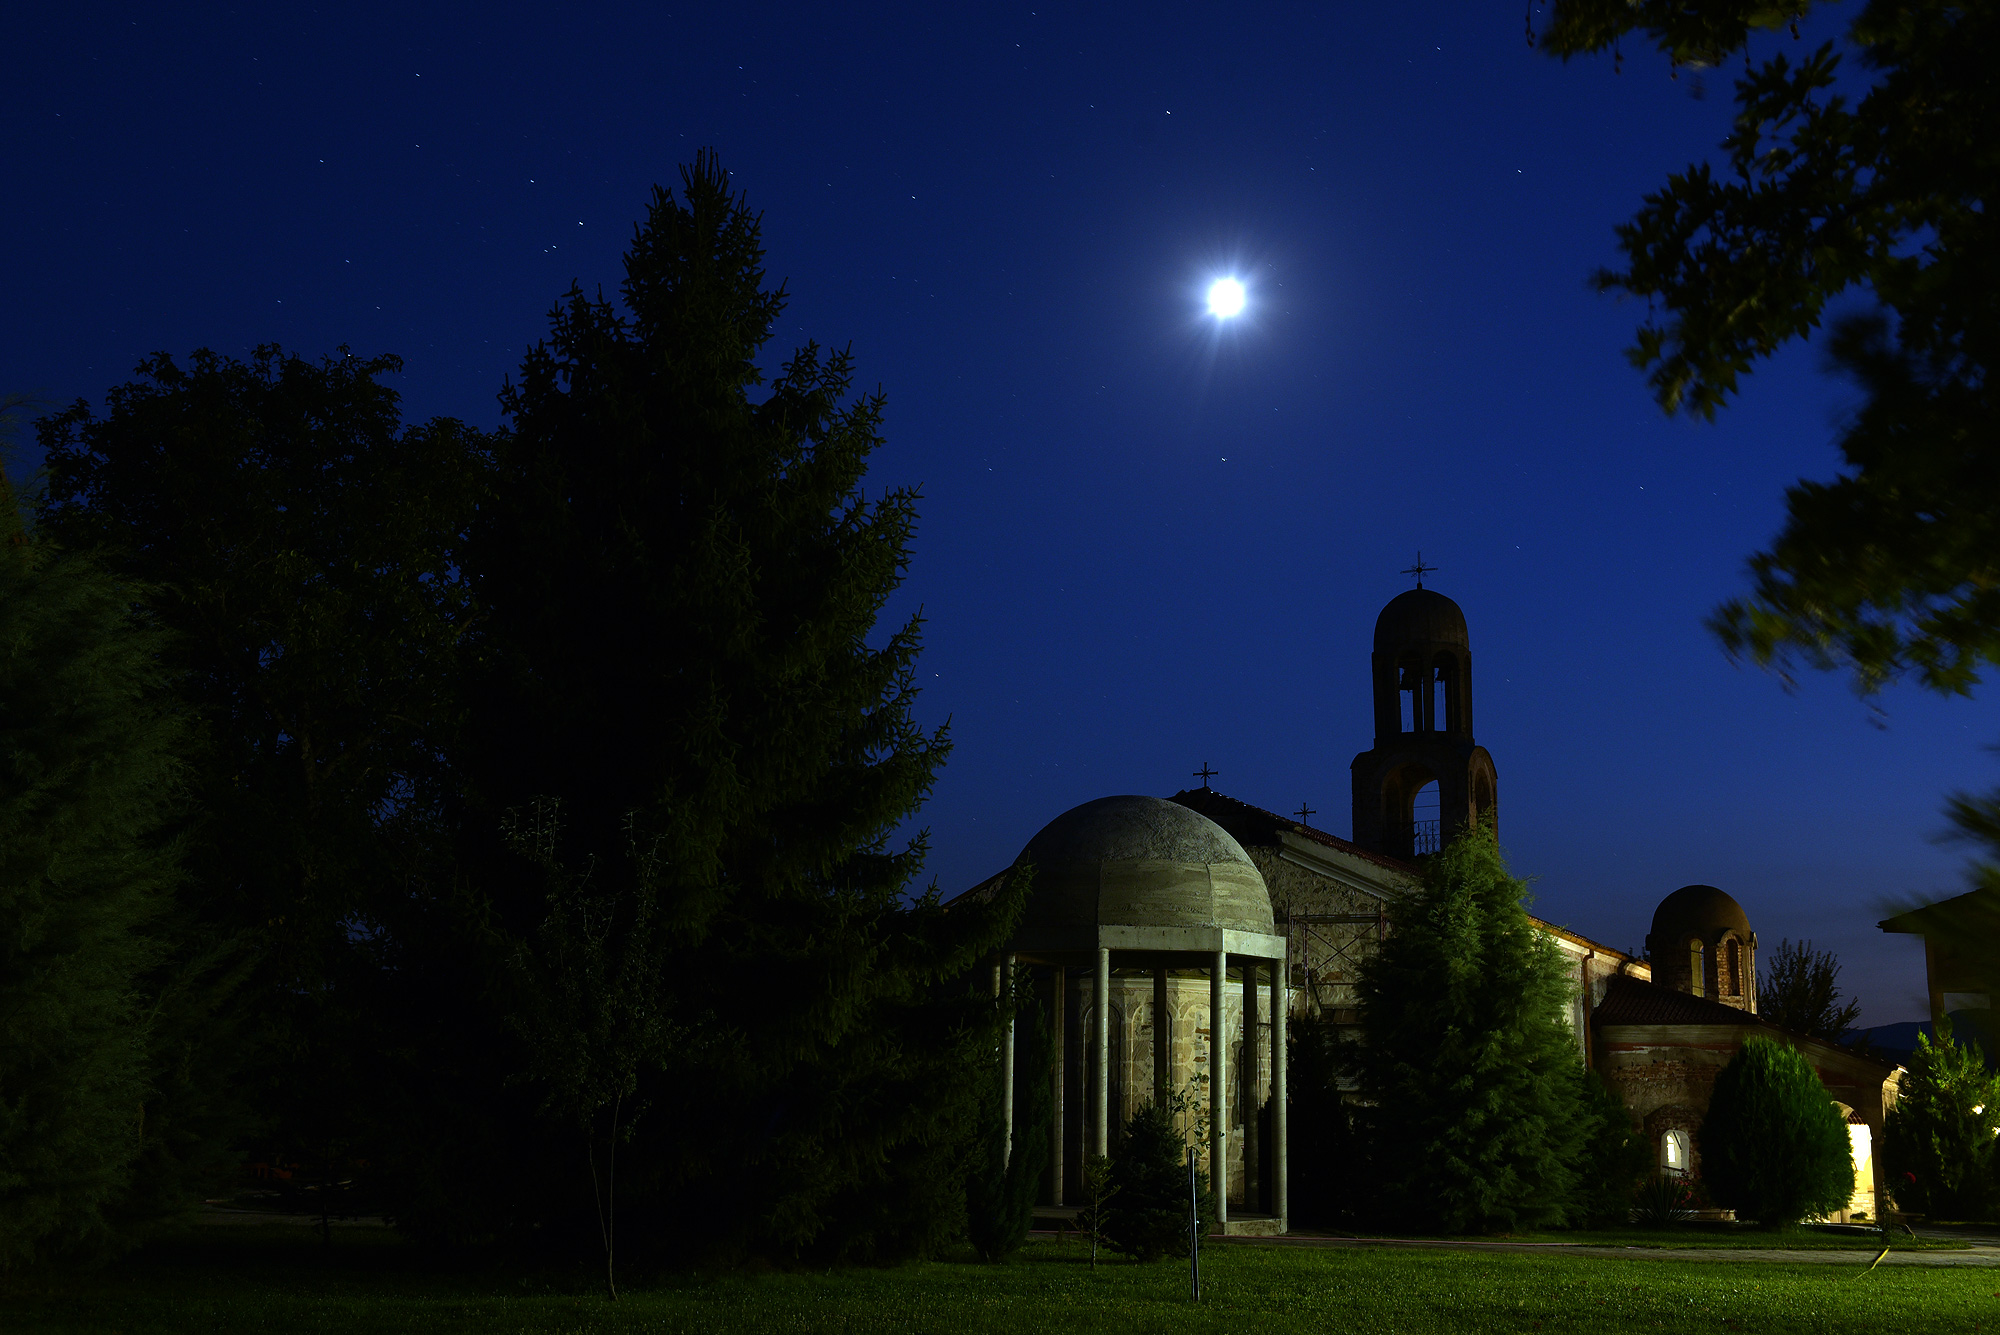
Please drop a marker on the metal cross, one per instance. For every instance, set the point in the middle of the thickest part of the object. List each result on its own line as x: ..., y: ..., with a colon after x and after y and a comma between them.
x: 1205, y: 773
x: 1305, y: 814
x: 1420, y: 570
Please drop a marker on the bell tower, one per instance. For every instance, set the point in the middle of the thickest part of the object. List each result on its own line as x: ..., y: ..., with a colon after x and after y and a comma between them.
x: 1425, y: 779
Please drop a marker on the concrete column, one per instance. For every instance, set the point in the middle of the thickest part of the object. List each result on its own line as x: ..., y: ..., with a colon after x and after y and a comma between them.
x: 1100, y: 1043
x: 1218, y: 1090
x: 1163, y: 1038
x: 1007, y: 1062
x: 1058, y: 1069
x: 1253, y: 1162
x: 1281, y: 1005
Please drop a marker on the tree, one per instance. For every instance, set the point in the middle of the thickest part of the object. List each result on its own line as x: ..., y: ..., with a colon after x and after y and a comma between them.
x: 1890, y: 569
x: 1800, y: 991
x: 1774, y: 1148
x: 302, y: 547
x: 680, y: 580
x: 1149, y: 1176
x: 1003, y: 1180
x: 1938, y: 1140
x: 1098, y: 1216
x: 589, y: 1008
x: 1475, y: 1116
x: 89, y: 778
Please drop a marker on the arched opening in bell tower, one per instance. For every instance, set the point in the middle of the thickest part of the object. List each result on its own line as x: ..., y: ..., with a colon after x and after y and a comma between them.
x: 1412, y: 695
x: 1444, y: 694
x: 1411, y: 823
x: 1426, y: 823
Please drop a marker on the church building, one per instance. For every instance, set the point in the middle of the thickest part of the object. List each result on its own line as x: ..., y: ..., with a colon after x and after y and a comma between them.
x: 1175, y: 938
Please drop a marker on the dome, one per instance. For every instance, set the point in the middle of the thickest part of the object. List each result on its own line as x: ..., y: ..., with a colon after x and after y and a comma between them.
x: 1421, y: 616
x: 1142, y: 862
x: 1700, y: 911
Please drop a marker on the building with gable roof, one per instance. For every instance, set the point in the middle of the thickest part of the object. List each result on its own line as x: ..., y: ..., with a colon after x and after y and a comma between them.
x: 1175, y: 948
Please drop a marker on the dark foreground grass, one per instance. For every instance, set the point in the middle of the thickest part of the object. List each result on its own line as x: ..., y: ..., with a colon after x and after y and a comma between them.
x: 277, y: 1279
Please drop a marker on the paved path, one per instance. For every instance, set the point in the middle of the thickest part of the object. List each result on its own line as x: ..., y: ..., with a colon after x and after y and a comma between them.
x: 1982, y: 1256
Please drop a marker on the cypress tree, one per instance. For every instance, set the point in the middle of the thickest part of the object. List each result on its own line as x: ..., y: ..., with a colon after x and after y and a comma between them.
x: 1773, y: 1146
x: 681, y: 576
x: 1474, y: 1105
x: 88, y: 773
x: 1938, y: 1141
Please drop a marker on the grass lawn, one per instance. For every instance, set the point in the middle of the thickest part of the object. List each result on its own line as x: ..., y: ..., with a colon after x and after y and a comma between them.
x: 277, y: 1279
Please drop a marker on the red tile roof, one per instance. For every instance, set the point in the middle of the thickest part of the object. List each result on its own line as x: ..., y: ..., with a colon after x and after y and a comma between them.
x: 1629, y: 1000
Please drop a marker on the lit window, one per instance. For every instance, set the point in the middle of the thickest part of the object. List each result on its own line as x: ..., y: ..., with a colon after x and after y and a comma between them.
x: 1697, y: 970
x: 1674, y: 1152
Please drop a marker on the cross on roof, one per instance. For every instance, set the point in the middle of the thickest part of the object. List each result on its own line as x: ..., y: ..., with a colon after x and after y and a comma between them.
x: 1205, y: 773
x: 1305, y: 814
x: 1420, y: 570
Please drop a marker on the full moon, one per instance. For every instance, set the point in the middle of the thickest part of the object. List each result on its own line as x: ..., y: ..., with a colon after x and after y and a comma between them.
x: 1225, y: 298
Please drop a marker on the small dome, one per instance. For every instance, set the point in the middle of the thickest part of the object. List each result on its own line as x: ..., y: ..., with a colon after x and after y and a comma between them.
x: 1699, y: 911
x: 1421, y: 616
x: 1142, y: 862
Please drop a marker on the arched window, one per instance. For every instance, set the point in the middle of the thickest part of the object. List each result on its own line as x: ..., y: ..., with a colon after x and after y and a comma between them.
x: 1409, y: 695
x: 1697, y: 968
x: 1674, y: 1153
x: 1444, y: 694
x: 1732, y: 960
x: 1426, y: 828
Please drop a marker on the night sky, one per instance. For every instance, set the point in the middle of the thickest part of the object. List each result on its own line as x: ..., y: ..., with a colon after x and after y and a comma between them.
x: 1147, y: 543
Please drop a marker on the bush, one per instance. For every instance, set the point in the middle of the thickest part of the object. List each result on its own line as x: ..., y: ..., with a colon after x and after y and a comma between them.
x: 1664, y: 1200
x: 1149, y: 1175
x: 1614, y: 1162
x: 1774, y: 1147
x: 1938, y: 1142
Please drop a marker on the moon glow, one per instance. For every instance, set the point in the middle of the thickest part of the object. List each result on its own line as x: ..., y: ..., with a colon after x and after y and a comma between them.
x: 1225, y: 298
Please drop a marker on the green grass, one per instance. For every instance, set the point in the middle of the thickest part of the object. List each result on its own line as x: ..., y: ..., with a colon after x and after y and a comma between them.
x: 277, y: 1279
x: 1707, y: 1236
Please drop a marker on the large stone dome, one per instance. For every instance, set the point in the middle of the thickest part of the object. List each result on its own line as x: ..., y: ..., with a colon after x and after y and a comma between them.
x: 1421, y: 616
x: 1141, y: 862
x: 1699, y: 911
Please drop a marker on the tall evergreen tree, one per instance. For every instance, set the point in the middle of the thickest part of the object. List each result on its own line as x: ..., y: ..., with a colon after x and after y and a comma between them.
x: 88, y: 773
x: 1475, y: 1114
x: 1773, y: 1146
x: 681, y: 577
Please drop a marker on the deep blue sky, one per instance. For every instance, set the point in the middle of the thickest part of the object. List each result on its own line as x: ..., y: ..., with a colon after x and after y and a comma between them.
x: 1144, y: 546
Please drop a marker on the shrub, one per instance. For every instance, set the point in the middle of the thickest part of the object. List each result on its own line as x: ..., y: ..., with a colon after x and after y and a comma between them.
x: 1938, y: 1142
x: 1663, y: 1200
x: 1614, y: 1160
x: 1149, y: 1174
x: 1774, y: 1147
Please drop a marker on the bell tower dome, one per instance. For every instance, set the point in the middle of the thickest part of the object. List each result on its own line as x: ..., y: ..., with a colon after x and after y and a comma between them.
x: 1425, y: 779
